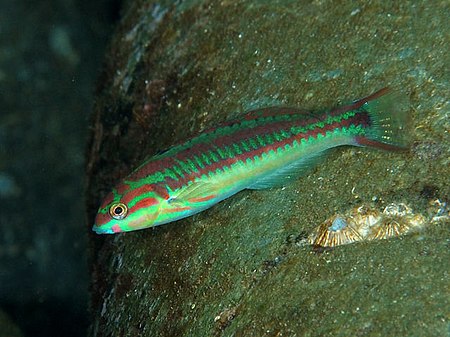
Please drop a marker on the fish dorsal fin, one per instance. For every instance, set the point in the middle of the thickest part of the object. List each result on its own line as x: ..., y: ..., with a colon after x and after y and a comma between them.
x: 290, y: 172
x: 276, y: 113
x: 265, y: 115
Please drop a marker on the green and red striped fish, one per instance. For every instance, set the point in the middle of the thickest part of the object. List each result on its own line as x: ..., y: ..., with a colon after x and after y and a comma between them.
x: 263, y: 148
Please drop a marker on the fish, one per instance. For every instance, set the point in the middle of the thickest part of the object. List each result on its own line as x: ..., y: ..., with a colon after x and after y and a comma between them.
x: 264, y: 148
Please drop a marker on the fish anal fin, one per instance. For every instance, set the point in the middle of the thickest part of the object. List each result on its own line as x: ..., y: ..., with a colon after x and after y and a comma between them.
x: 286, y: 174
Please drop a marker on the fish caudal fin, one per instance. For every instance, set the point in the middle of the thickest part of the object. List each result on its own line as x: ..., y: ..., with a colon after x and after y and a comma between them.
x: 389, y: 127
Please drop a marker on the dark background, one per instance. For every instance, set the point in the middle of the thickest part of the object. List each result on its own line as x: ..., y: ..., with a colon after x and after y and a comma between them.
x: 50, y: 55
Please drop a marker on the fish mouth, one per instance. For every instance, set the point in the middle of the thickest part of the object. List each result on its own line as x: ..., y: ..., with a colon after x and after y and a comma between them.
x: 100, y: 230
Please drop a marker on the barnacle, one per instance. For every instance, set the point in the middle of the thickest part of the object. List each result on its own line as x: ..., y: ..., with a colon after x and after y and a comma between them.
x: 397, y: 219
x: 387, y: 228
x: 438, y: 210
x: 367, y: 223
x: 364, y: 217
x: 397, y: 210
x: 392, y: 226
x: 335, y: 231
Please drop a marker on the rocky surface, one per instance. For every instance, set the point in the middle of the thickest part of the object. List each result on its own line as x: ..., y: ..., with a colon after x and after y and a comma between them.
x: 243, y: 267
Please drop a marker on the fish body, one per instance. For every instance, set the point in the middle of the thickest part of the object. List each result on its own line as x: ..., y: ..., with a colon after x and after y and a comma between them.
x: 264, y: 148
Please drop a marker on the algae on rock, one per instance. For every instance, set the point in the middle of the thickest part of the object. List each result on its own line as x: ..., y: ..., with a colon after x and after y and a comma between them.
x: 241, y: 268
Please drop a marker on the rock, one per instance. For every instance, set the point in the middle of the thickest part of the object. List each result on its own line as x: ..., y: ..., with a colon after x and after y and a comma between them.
x: 235, y: 269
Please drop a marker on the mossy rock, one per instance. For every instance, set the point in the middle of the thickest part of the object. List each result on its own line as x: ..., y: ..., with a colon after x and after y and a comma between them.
x: 243, y: 267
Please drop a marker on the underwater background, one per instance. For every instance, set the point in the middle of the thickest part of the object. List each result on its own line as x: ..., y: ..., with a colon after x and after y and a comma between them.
x: 50, y: 55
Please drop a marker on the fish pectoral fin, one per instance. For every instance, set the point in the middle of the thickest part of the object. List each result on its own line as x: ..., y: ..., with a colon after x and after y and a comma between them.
x: 285, y: 174
x: 196, y: 192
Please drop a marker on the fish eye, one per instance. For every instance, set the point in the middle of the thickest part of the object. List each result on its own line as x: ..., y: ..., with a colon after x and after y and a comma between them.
x: 118, y: 211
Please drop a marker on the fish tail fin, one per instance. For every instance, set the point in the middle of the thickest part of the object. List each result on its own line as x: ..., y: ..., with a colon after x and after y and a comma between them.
x: 389, y: 121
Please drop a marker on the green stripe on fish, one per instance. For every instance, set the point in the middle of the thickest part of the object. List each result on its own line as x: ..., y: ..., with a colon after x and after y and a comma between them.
x: 262, y: 149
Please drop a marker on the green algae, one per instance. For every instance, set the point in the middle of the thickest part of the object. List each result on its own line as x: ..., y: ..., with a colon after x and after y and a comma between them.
x: 242, y: 268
